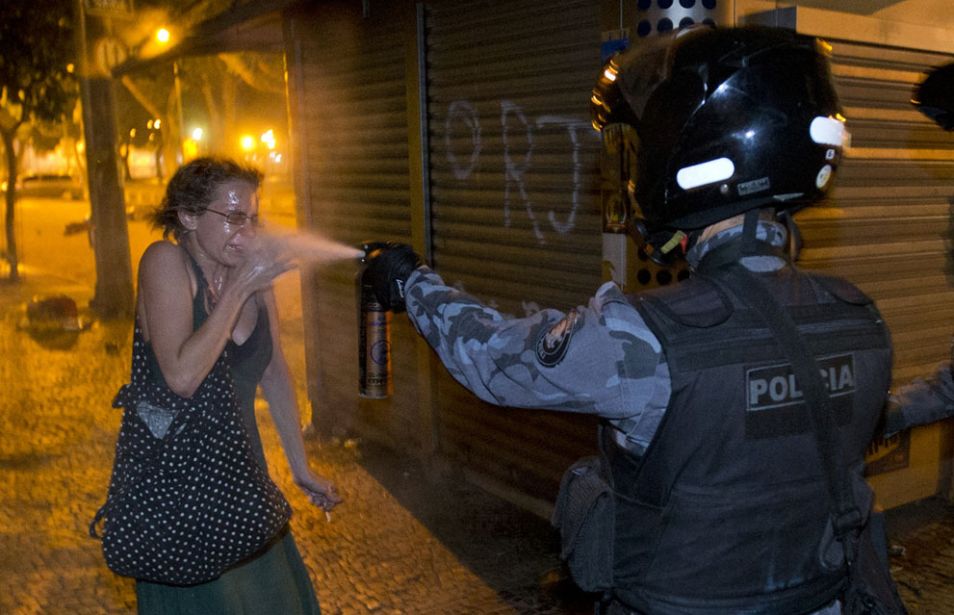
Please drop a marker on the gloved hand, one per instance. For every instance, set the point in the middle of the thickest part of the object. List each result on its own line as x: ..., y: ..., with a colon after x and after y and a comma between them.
x: 389, y: 265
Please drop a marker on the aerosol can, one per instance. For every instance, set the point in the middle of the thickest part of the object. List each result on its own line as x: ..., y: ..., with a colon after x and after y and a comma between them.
x: 374, y: 337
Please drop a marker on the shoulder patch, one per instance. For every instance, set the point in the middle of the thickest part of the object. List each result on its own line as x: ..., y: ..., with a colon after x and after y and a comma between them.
x: 551, y: 347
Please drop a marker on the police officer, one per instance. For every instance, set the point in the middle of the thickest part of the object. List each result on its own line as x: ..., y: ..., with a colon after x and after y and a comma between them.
x: 926, y: 401
x: 719, y: 493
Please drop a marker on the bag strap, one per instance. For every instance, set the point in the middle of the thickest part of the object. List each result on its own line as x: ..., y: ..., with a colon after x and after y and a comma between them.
x: 749, y: 289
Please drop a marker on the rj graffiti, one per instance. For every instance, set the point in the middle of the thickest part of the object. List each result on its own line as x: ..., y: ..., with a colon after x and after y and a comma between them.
x: 463, y: 135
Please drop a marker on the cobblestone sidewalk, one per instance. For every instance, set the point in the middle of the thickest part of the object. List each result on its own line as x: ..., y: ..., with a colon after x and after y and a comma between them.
x: 397, y: 545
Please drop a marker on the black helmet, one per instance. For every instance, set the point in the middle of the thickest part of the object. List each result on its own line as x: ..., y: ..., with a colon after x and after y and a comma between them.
x: 726, y: 120
x: 935, y: 96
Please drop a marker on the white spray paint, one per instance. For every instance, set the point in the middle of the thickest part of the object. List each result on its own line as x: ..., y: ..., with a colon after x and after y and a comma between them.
x: 515, y: 128
x: 514, y: 169
x: 463, y: 111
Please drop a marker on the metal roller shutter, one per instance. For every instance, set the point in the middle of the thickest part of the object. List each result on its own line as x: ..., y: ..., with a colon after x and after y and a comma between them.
x: 514, y: 184
x: 887, y: 223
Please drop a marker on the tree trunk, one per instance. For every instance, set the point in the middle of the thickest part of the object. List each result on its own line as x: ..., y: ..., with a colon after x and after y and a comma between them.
x: 216, y: 137
x: 171, y: 134
x: 114, y: 287
x: 10, y: 194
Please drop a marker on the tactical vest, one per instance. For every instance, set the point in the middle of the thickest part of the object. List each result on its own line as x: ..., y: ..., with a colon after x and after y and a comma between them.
x: 727, y: 510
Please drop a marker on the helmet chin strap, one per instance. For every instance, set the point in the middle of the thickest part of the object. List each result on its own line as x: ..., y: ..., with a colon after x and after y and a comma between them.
x: 749, y: 243
x: 794, y: 244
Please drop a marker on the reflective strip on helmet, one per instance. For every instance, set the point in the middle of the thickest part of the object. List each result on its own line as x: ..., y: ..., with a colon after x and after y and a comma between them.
x: 704, y: 173
x: 828, y: 131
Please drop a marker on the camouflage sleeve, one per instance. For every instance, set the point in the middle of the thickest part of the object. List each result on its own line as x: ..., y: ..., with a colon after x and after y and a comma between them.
x: 597, y: 359
x: 921, y: 401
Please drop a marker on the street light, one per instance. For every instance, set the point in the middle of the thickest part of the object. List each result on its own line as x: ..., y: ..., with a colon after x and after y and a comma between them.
x: 268, y: 138
x: 191, y: 146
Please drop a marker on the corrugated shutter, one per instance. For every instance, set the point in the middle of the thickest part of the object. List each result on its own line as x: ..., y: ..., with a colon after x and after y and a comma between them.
x: 514, y: 160
x: 514, y: 200
x: 352, y: 127
x: 887, y: 224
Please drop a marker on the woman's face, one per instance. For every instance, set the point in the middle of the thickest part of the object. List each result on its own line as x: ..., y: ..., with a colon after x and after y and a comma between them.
x: 227, y: 226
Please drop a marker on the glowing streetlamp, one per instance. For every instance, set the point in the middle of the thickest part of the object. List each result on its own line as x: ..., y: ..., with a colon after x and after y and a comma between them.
x: 192, y: 145
x: 268, y: 138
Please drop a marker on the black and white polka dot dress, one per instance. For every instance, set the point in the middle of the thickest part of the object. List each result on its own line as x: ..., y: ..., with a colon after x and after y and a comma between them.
x: 276, y: 580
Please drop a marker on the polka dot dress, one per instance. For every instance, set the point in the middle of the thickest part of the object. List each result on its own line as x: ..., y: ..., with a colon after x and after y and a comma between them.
x: 187, y: 498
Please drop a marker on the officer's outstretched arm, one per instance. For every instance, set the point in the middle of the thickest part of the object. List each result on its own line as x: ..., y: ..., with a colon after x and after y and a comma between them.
x: 921, y: 401
x: 597, y: 359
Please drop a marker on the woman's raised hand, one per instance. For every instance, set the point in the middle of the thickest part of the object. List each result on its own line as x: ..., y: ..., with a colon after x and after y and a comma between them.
x: 264, y: 261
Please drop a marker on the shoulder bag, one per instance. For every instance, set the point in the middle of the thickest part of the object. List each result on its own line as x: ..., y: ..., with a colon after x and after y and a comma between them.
x: 187, y: 498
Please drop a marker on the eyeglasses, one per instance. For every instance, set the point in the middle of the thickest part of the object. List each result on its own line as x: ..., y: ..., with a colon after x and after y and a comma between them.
x: 237, y: 218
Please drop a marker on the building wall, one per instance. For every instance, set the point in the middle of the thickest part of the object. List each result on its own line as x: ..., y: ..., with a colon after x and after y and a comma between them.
x: 915, y: 24
x: 935, y: 13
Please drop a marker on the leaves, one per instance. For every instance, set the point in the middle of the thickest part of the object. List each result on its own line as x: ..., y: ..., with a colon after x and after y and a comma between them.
x: 36, y: 46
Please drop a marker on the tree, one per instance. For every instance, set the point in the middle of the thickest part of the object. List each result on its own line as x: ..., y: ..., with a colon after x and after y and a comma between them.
x: 220, y: 89
x: 36, y: 85
x: 211, y: 86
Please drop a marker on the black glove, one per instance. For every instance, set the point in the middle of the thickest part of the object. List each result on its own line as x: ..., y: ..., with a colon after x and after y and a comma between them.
x: 389, y: 267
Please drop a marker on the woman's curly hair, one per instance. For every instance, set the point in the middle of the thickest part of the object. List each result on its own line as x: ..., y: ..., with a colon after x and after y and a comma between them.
x: 193, y: 188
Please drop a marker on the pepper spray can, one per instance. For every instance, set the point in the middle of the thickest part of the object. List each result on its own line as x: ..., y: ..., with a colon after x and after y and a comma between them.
x: 374, y: 340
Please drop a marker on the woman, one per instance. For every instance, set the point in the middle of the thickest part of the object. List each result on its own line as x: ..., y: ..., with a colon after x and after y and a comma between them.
x: 217, y: 272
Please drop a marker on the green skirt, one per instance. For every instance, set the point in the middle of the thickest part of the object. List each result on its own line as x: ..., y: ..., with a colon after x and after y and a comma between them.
x: 274, y: 582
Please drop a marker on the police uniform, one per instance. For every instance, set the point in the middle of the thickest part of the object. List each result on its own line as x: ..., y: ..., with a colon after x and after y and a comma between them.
x: 921, y: 401
x: 706, y: 433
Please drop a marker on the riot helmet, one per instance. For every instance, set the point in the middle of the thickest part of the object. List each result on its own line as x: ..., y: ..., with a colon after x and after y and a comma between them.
x: 934, y: 96
x: 725, y: 120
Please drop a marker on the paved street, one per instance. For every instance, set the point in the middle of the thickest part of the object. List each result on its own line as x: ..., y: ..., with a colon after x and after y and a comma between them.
x: 399, y: 544
x: 383, y: 551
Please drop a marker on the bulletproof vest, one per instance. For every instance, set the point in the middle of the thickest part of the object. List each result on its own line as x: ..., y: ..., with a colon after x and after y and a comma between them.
x: 727, y: 510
